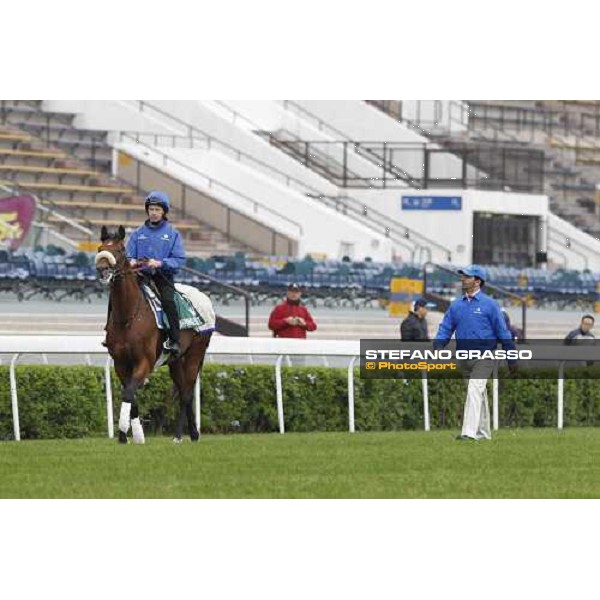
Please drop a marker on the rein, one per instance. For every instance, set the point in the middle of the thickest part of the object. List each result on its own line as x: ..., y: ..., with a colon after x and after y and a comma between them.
x: 119, y: 273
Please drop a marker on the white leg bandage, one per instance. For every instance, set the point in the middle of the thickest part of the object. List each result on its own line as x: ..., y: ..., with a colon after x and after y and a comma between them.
x: 137, y: 430
x: 124, y: 418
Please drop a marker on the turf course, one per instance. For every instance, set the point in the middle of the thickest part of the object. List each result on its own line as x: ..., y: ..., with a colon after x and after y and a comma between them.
x: 523, y: 463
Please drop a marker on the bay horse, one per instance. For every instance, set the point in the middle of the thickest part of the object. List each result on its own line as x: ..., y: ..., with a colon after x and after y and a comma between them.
x: 135, y: 342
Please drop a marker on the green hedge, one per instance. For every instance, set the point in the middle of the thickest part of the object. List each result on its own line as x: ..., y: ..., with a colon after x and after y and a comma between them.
x: 57, y: 401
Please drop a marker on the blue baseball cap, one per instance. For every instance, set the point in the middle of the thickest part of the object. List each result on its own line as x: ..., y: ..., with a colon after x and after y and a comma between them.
x: 422, y: 302
x: 474, y: 271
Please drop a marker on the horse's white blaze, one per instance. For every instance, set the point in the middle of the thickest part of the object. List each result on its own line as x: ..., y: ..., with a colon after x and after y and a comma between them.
x: 112, y: 261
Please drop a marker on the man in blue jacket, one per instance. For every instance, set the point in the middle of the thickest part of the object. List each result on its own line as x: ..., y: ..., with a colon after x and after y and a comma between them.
x: 476, y: 321
x: 157, y: 245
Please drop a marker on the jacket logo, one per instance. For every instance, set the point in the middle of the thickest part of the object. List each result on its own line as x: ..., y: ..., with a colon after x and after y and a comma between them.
x: 477, y: 311
x: 165, y: 236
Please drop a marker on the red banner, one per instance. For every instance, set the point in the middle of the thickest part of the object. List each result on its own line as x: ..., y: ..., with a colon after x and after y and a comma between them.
x: 16, y: 216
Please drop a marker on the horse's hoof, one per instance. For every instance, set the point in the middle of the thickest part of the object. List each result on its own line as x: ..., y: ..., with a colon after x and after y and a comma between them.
x: 194, y: 436
x: 177, y: 440
x: 122, y: 438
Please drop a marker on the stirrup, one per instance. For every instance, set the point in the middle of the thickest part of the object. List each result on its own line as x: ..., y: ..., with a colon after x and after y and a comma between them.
x: 171, y: 346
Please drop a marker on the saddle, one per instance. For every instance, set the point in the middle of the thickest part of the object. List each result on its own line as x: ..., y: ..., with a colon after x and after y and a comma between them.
x: 193, y: 307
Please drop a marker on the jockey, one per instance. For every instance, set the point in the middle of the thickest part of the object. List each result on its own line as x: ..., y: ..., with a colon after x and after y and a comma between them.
x: 157, y: 248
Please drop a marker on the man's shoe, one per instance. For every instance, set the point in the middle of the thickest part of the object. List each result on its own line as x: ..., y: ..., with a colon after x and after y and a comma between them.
x: 465, y: 438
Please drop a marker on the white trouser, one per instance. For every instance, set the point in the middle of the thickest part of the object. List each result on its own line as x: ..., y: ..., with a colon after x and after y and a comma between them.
x: 476, y: 418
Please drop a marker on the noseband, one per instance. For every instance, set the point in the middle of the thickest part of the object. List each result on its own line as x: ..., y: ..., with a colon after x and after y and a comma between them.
x: 116, y: 271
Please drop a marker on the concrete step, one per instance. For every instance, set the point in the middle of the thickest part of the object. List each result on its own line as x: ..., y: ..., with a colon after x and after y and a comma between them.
x: 329, y: 326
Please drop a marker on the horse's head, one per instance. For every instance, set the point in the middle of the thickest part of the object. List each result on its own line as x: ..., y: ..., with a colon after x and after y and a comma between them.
x: 111, y: 260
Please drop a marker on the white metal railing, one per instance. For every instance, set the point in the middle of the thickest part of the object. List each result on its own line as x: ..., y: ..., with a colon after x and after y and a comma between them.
x: 86, y: 345
x: 19, y: 345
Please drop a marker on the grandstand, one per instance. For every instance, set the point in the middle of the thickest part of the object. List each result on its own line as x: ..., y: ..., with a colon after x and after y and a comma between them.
x: 341, y: 196
x: 558, y: 142
x: 70, y: 170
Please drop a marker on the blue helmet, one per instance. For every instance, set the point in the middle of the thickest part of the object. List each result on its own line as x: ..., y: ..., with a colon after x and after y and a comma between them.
x: 159, y: 199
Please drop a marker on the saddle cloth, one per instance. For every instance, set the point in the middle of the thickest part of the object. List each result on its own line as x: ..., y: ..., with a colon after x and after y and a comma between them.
x: 193, y: 306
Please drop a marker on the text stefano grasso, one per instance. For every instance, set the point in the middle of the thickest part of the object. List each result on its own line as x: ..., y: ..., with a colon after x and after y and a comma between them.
x: 449, y: 354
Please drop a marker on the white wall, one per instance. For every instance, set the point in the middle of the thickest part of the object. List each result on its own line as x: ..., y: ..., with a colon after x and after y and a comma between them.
x: 109, y: 115
x: 453, y: 229
x: 584, y: 250
x: 323, y: 229
x: 360, y: 121
x: 125, y: 115
x: 206, y: 116
x: 273, y: 116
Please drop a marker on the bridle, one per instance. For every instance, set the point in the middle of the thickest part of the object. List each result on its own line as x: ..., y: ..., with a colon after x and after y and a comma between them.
x: 117, y: 269
x: 117, y: 266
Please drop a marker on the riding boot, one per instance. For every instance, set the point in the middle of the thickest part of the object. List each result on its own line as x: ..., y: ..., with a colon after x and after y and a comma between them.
x: 171, y: 311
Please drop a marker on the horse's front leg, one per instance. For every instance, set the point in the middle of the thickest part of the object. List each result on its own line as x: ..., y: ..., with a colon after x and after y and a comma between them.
x: 129, y: 408
x: 129, y: 414
x: 125, y: 416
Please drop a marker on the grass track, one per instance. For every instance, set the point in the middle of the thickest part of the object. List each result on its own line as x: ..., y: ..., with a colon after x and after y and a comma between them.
x: 523, y: 463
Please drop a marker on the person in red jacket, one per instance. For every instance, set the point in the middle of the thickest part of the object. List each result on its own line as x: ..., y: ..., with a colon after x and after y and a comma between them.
x: 291, y: 319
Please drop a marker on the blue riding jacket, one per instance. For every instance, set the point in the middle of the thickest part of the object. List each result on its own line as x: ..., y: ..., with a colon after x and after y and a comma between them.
x: 162, y: 242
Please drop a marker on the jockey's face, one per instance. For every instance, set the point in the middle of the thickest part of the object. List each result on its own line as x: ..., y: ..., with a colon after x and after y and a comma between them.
x: 155, y: 213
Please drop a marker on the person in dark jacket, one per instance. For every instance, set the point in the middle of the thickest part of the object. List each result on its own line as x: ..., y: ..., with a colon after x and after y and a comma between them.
x: 583, y: 333
x: 291, y: 318
x: 414, y: 327
x: 516, y: 332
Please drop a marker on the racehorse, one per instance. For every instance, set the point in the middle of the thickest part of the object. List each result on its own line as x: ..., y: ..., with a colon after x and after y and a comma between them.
x: 135, y: 342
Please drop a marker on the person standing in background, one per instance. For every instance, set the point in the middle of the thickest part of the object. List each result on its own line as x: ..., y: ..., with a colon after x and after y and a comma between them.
x: 291, y: 318
x: 414, y: 327
x: 583, y: 333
